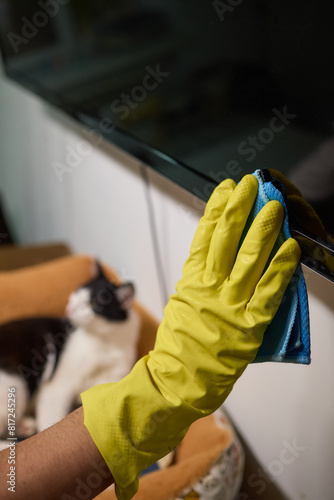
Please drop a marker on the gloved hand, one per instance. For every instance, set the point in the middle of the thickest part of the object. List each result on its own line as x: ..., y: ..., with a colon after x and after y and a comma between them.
x: 212, y: 328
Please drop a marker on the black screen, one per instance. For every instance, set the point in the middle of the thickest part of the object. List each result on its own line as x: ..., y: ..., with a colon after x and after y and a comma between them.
x: 199, y: 90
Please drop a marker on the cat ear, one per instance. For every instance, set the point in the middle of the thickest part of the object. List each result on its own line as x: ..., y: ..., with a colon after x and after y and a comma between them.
x: 125, y: 294
x: 97, y: 270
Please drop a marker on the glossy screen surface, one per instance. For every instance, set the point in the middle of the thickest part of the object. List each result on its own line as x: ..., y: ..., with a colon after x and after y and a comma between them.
x: 198, y: 90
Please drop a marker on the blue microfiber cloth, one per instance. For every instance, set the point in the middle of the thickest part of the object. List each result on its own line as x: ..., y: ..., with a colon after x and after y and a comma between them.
x: 287, y: 338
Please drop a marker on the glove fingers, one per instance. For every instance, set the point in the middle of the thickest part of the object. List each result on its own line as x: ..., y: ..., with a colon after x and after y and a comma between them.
x: 228, y: 231
x: 271, y: 287
x: 213, y: 211
x: 254, y: 253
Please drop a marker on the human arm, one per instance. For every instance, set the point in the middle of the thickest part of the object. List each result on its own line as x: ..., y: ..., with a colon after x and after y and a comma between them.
x: 55, y: 463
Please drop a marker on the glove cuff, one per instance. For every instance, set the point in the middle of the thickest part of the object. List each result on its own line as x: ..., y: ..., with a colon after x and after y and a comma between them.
x: 133, y: 425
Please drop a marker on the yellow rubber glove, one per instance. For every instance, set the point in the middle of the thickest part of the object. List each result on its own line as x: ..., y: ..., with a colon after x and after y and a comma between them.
x: 212, y: 328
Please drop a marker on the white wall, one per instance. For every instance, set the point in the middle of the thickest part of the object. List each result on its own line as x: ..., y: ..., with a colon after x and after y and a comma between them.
x: 100, y: 208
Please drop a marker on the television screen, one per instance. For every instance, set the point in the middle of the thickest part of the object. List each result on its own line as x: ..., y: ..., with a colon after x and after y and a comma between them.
x: 198, y: 90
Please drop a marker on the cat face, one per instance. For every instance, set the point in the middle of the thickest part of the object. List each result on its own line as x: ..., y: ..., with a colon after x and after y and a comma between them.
x: 99, y: 298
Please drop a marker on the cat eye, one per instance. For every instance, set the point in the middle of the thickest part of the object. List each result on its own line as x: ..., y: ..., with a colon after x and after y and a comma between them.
x: 104, y: 297
x: 95, y: 305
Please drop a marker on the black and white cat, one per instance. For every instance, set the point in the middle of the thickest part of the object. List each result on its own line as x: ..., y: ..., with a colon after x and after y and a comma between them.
x: 50, y: 361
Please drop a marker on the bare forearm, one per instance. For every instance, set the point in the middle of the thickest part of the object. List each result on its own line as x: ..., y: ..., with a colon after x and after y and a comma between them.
x: 60, y: 463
